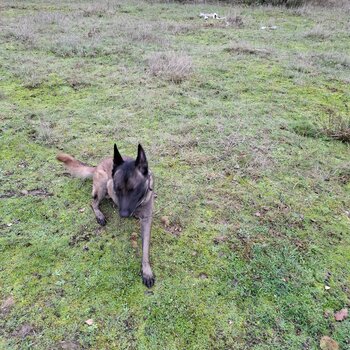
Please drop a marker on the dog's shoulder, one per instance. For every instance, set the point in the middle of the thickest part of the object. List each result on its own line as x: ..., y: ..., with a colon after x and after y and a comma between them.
x: 105, y: 166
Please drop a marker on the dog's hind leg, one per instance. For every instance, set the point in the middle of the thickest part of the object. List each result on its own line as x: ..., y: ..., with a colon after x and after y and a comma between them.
x: 99, y: 190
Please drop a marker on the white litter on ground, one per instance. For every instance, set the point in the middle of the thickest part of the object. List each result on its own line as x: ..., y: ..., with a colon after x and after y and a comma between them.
x: 269, y: 27
x: 210, y: 15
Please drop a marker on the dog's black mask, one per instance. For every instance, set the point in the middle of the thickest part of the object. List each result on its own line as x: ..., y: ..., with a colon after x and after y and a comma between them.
x: 130, y: 180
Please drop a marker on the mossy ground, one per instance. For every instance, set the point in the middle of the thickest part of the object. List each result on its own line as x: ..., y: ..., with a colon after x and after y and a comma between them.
x: 258, y: 210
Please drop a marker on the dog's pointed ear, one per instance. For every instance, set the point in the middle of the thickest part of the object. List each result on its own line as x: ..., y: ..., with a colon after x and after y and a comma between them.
x: 141, y: 160
x: 117, y: 159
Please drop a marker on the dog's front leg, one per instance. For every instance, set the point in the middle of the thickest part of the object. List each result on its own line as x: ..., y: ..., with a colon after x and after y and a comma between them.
x: 111, y: 192
x: 147, y: 274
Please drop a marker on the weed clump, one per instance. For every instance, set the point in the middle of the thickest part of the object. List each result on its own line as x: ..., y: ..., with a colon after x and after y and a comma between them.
x: 235, y: 21
x: 336, y: 127
x: 172, y: 66
x: 305, y: 128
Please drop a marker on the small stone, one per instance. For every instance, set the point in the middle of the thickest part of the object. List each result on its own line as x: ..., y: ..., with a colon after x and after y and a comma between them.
x: 341, y: 314
x: 89, y: 322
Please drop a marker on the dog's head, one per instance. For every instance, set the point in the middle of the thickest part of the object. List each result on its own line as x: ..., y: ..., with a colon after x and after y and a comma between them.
x: 130, y: 180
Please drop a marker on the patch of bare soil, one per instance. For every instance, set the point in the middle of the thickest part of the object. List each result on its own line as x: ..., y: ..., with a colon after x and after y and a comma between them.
x: 7, y: 305
x: 171, y: 227
x: 24, y: 331
x: 38, y: 192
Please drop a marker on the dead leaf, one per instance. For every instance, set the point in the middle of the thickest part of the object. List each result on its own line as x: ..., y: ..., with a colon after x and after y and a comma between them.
x: 258, y: 214
x: 220, y: 239
x: 328, y: 343
x: 90, y: 321
x: 341, y: 315
x: 174, y: 229
x: 165, y: 220
x: 133, y: 239
x: 327, y: 313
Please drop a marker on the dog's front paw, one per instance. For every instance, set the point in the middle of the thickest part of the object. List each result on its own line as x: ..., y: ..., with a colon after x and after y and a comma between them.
x: 148, y: 278
x: 148, y: 281
x: 101, y: 221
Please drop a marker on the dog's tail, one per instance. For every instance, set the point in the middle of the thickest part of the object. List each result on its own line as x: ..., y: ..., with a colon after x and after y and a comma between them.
x: 75, y: 167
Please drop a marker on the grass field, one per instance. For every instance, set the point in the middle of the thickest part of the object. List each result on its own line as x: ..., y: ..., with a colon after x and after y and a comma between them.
x: 251, y: 239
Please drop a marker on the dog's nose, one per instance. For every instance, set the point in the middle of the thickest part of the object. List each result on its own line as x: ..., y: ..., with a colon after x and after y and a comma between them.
x: 124, y: 213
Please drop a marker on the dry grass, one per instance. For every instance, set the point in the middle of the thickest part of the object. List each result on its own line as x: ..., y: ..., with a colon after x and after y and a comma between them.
x: 172, y: 66
x: 101, y: 8
x: 331, y: 3
x: 23, y: 31
x: 337, y: 127
x: 33, y: 80
x: 234, y: 20
x: 317, y: 32
x: 302, y: 63
x: 342, y: 174
x: 65, y: 37
x: 50, y: 18
x: 69, y: 45
x: 334, y: 59
x: 43, y: 133
x: 243, y: 47
x: 145, y: 33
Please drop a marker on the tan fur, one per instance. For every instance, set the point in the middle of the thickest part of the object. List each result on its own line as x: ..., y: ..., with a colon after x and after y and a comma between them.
x: 75, y: 167
x: 102, y: 186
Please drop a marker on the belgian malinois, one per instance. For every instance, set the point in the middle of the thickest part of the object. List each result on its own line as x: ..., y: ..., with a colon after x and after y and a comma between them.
x: 130, y: 185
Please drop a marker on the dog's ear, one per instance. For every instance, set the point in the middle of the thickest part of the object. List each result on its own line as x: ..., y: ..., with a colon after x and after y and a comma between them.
x: 141, y: 161
x: 117, y: 159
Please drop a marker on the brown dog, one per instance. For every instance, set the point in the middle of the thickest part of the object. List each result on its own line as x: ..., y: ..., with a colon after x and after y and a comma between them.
x: 130, y: 185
